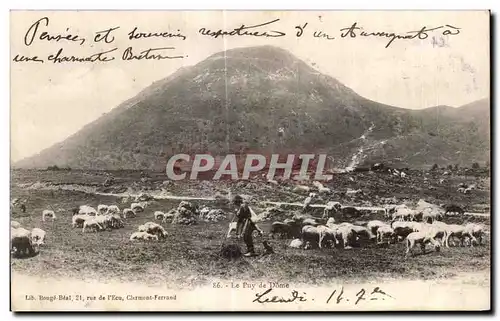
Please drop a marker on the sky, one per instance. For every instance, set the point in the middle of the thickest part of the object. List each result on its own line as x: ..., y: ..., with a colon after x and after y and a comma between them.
x: 50, y: 102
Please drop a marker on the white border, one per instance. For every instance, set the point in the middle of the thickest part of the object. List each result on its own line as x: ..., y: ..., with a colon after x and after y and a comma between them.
x: 193, y: 5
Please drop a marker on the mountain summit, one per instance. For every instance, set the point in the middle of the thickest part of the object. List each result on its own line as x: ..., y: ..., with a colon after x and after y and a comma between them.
x: 264, y: 99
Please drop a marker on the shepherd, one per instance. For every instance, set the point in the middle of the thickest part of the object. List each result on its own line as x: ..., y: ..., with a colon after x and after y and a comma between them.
x: 244, y: 225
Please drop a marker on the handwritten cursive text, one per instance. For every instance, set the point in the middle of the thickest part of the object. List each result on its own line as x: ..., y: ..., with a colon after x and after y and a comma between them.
x: 244, y: 31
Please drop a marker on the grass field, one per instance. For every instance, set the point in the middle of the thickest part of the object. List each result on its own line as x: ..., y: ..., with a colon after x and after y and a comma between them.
x: 190, y: 254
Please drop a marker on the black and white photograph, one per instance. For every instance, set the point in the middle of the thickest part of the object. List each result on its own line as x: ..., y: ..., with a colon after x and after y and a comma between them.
x: 250, y: 160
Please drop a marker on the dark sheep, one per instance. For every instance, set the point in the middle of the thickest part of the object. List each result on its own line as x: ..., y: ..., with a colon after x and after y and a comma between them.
x: 452, y: 208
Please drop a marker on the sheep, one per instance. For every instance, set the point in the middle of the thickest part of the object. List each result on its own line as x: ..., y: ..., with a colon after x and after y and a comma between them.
x: 385, y: 232
x: 48, y: 214
x: 143, y: 236
x: 331, y: 206
x: 310, y: 234
x: 137, y: 207
x: 454, y: 230
x: 85, y: 209
x: 92, y: 224
x: 321, y: 188
x: 113, y: 209
x: 351, y: 192
x: 318, y: 185
x: 104, y: 220
x: 326, y: 234
x: 102, y: 209
x: 296, y: 243
x: 128, y: 212
x: 403, y: 213
x: 374, y: 225
x: 350, y: 211
x: 464, y: 190
x: 21, y: 242
x: 280, y: 229
x: 452, y: 208
x: 345, y: 235
x: 116, y: 221
x: 403, y: 229
x: 272, y: 181
x: 153, y: 228
x: 403, y: 174
x: 429, y: 215
x: 301, y: 188
x: 422, y: 238
x: 310, y: 221
x: 159, y: 215
x: 474, y: 232
x: 437, y: 230
x: 330, y: 221
x: 15, y: 224
x: 38, y: 236
x: 78, y: 219
x: 362, y: 233
x: 168, y: 216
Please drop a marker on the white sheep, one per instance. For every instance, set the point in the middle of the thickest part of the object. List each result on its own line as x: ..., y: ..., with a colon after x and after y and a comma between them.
x: 154, y: 228
x: 475, y: 232
x: 102, y: 209
x: 326, y: 233
x: 85, y: 209
x: 296, y: 244
x: 38, y: 236
x: 143, y: 236
x: 137, y: 207
x: 78, y: 219
x: 48, y: 214
x: 113, y: 209
x: 128, y: 213
x: 374, y: 225
x: 422, y: 238
x: 159, y: 215
x: 454, y: 230
x: 385, y: 232
x: 301, y: 188
x: 92, y: 224
x: 20, y: 239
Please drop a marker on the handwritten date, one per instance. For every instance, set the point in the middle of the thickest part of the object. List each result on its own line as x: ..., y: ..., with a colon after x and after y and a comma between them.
x: 264, y: 297
x: 361, y: 295
x: 337, y: 296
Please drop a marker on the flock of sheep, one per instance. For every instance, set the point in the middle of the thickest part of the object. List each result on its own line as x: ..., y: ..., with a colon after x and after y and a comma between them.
x: 418, y: 226
x: 105, y: 217
x: 27, y: 242
x: 421, y: 225
x: 108, y: 216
